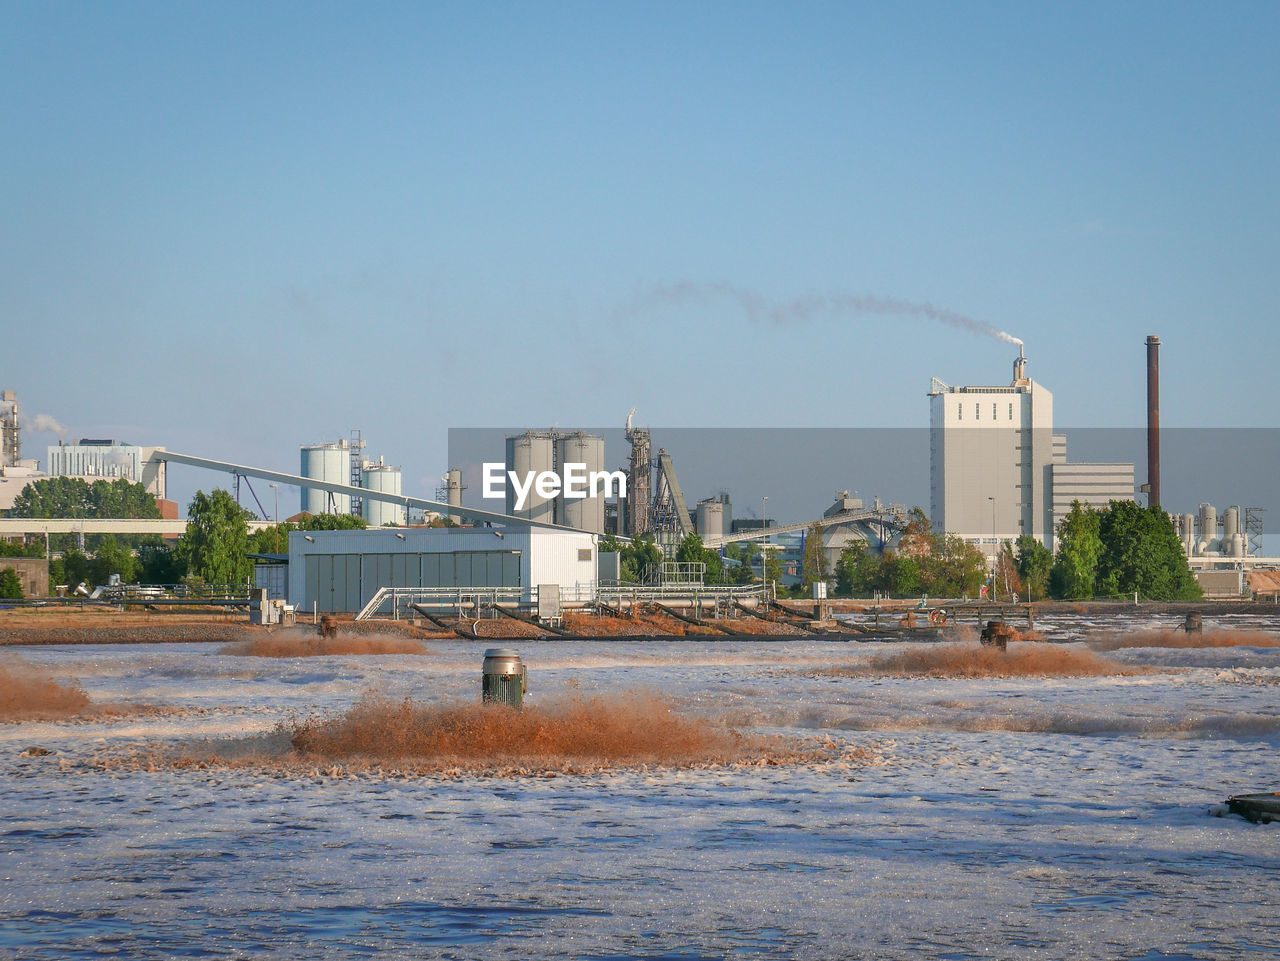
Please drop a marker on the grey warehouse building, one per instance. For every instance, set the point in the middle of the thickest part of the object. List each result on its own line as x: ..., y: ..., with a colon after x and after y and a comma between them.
x: 341, y: 571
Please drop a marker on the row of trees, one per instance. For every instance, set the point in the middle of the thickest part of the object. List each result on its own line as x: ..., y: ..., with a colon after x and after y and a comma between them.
x: 1115, y: 551
x: 215, y: 548
x: 1109, y: 552
x: 924, y: 563
x: 76, y: 497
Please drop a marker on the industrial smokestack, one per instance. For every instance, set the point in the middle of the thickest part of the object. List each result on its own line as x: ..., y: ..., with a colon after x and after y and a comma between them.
x: 1153, y: 420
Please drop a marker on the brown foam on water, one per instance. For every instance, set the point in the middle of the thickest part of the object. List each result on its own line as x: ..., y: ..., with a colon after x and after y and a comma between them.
x: 388, y: 737
x: 1183, y: 639
x: 1027, y: 659
x: 29, y: 693
x: 636, y: 728
x: 295, y: 644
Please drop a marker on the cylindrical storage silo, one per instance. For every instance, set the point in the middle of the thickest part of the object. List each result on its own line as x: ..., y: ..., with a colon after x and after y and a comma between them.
x: 381, y: 477
x: 1207, y: 540
x: 453, y: 492
x: 528, y: 455
x: 504, y: 679
x: 711, y: 518
x: 330, y: 463
x: 579, y: 456
x: 1230, y: 523
x: 1237, y: 544
x: 1187, y: 532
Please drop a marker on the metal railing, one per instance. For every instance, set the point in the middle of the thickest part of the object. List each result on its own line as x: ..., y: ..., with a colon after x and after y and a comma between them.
x: 612, y: 594
x: 394, y: 602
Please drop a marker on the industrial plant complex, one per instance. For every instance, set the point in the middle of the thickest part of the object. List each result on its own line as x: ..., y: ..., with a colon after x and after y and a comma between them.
x: 538, y: 519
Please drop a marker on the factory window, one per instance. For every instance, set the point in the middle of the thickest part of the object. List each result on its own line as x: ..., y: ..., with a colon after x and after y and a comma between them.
x: 959, y: 411
x: 1011, y: 412
x: 993, y: 411
x: 977, y: 411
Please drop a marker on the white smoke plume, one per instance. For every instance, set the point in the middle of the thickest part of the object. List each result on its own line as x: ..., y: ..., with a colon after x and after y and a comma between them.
x: 45, y: 422
x: 801, y: 309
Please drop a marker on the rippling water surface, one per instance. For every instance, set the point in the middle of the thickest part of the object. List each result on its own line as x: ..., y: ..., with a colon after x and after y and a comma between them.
x: 1010, y: 818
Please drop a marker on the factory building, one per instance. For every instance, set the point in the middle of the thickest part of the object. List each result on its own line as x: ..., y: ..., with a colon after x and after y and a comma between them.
x: 340, y: 571
x: 997, y: 470
x: 1093, y: 485
x: 109, y: 460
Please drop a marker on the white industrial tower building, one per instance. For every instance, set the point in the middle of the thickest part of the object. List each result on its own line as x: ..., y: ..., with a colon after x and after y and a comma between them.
x: 997, y: 470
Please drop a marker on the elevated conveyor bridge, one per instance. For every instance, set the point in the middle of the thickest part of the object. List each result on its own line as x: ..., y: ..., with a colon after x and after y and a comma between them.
x: 295, y: 480
x: 880, y: 522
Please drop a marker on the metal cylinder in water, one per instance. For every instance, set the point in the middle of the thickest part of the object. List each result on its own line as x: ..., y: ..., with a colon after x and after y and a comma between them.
x: 505, y: 678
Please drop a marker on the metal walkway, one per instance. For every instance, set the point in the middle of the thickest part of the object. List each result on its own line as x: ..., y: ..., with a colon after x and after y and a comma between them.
x: 890, y: 518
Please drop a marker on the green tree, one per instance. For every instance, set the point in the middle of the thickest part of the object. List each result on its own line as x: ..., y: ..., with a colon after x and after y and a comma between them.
x: 75, y: 497
x: 640, y: 559
x: 1141, y: 553
x: 1075, y: 566
x: 737, y: 569
x: 74, y: 567
x: 953, y: 567
x: 691, y: 551
x: 917, y: 538
x: 216, y: 543
x: 113, y: 558
x: 15, y: 549
x: 773, y: 569
x: 898, y: 575
x: 332, y: 522
x: 814, y: 560
x: 1034, y: 561
x: 160, y: 565
x: 10, y: 585
x: 1008, y: 581
x: 856, y: 570
x: 275, y: 539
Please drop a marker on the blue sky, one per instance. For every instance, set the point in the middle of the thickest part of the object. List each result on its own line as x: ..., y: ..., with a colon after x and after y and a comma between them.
x: 231, y: 229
